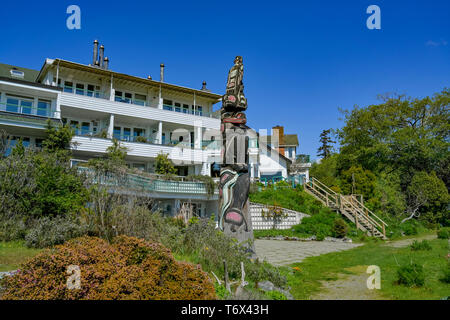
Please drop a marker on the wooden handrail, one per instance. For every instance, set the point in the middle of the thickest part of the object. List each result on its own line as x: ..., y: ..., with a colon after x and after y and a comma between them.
x: 368, y: 210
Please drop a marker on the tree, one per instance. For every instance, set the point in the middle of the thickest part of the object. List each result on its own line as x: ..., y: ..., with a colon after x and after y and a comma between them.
x: 427, y: 195
x: 326, y: 148
x: 164, y: 165
x: 58, y: 137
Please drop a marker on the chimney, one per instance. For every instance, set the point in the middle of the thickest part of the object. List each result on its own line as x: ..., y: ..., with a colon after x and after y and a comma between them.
x: 105, y: 65
x: 94, y: 60
x: 204, y: 86
x: 279, y: 132
x: 161, y: 74
x: 101, y: 55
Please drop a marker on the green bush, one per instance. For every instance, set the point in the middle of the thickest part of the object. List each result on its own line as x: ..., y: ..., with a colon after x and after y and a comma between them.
x: 276, y: 295
x: 411, y: 275
x: 47, y: 232
x: 444, y: 233
x: 420, y: 245
x: 321, y: 225
x: 340, y: 228
x: 12, y: 229
x: 446, y: 276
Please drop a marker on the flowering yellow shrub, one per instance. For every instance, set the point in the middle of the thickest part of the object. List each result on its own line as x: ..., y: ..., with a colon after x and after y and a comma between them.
x: 129, y: 268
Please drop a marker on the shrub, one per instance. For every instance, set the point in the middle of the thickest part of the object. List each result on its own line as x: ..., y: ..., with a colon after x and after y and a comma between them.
x: 320, y: 225
x: 411, y: 275
x: 12, y: 229
x: 420, y: 245
x: 47, y: 232
x: 340, y: 228
x: 164, y: 165
x: 446, y: 274
x: 276, y: 295
x: 129, y: 268
x: 444, y: 233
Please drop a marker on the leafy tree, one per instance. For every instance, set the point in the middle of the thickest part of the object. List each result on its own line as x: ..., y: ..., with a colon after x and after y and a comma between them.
x: 326, y: 147
x: 164, y: 165
x: 326, y: 171
x: 427, y: 195
x: 356, y: 180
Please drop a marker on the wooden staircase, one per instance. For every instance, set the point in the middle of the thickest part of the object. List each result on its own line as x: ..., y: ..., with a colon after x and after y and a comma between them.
x: 349, y: 206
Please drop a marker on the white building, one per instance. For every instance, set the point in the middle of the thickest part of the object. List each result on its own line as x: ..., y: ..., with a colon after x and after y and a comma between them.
x: 148, y: 117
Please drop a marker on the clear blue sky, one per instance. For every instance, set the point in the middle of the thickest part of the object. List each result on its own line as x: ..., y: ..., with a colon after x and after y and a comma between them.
x: 303, y: 59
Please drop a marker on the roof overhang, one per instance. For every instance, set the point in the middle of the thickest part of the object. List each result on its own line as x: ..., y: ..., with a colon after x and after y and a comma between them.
x: 117, y: 75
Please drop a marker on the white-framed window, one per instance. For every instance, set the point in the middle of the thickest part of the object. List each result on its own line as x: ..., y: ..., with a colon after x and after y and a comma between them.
x: 19, y: 104
x: 17, y: 73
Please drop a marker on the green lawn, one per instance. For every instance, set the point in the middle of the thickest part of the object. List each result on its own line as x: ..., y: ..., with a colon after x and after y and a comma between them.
x: 12, y: 254
x: 306, y: 282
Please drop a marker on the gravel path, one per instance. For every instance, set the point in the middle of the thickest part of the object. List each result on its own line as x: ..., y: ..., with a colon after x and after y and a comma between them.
x: 280, y: 253
x: 407, y: 242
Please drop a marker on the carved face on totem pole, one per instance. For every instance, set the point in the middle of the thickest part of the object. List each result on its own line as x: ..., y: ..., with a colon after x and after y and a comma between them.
x: 234, y: 186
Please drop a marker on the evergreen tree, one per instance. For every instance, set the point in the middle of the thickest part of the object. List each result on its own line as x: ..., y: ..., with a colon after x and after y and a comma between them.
x: 325, y: 149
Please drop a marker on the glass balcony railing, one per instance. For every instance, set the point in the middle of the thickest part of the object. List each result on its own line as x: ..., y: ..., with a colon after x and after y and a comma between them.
x: 211, y: 144
x: 84, y: 92
x: 149, y: 184
x: 28, y: 109
x: 132, y: 101
x: 182, y: 110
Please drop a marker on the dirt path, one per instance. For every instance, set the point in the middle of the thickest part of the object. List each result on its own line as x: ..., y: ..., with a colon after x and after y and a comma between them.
x: 354, y: 286
x: 348, y: 287
x: 407, y: 242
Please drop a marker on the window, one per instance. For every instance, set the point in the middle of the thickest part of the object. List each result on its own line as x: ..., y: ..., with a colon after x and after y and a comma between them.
x: 93, y: 91
x: 138, y: 132
x: 123, y: 97
x: 167, y: 105
x: 80, y: 89
x: 20, y: 105
x: 74, y: 124
x: 185, y: 108
x: 117, y: 133
x: 177, y: 107
x: 26, y: 106
x: 38, y: 143
x: 140, y: 99
x: 199, y: 111
x: 68, y: 86
x: 85, y: 128
x: 139, y: 166
x: 17, y: 73
x: 126, y: 134
x: 43, y: 108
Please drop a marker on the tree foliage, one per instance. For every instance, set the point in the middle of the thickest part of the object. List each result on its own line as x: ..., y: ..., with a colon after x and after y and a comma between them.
x: 326, y: 148
x: 164, y: 165
x: 395, y: 152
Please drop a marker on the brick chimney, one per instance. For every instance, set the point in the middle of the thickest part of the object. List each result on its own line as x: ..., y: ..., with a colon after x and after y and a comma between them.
x: 279, y: 132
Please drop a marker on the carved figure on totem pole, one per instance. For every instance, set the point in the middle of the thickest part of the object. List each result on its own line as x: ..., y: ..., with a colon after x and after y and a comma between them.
x: 234, y: 186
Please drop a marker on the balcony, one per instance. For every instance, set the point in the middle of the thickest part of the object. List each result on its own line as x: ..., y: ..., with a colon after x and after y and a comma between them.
x: 95, y: 145
x: 137, y: 111
x: 154, y: 184
x: 84, y: 92
x: 28, y: 108
x: 185, y: 111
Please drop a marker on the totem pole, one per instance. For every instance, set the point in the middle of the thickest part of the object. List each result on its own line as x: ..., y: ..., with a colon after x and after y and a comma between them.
x: 234, y: 186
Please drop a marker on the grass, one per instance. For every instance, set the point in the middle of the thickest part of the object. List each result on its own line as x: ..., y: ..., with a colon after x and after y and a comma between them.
x: 14, y: 253
x: 328, y: 267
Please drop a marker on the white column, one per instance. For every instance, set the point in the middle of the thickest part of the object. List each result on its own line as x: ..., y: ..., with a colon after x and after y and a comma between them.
x: 57, y: 108
x: 197, y: 134
x: 112, y: 91
x: 35, y: 105
x: 111, y: 126
x: 159, y: 133
x: 160, y: 98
